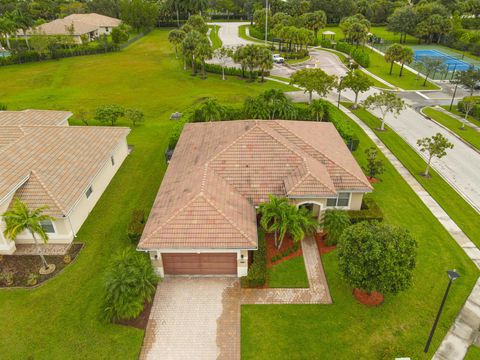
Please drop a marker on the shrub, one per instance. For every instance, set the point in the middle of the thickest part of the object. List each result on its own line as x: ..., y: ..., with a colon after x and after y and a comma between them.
x: 326, y: 44
x: 369, y: 211
x: 335, y: 222
x: 3, y: 107
x: 67, y: 259
x: 32, y: 279
x: 109, y: 113
x: 217, y: 69
x: 130, y: 281
x: 377, y: 257
x: 358, y: 54
x: 175, y: 134
x: 136, y: 226
x: 257, y: 272
x: 7, y: 278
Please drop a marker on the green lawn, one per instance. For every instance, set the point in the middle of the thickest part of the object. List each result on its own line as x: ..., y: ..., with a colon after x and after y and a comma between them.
x: 458, y: 113
x: 60, y: 320
x: 473, y: 353
x: 379, y: 31
x: 216, y: 41
x: 468, y: 134
x: 348, y: 330
x: 457, y: 208
x: 288, y: 274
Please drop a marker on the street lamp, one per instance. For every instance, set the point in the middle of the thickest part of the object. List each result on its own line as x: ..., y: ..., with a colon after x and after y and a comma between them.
x: 453, y: 97
x: 340, y: 90
x: 452, y: 275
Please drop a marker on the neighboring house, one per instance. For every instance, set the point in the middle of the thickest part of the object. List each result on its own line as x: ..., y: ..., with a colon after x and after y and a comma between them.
x: 45, y: 162
x: 78, y: 26
x: 204, y: 220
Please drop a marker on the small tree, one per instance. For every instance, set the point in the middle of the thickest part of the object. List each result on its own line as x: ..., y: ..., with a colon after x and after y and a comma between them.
x: 203, y: 51
x: 334, y: 223
x: 374, y: 166
x: 82, y: 115
x: 20, y: 218
x: 272, y: 213
x: 135, y: 116
x: 176, y: 37
x: 298, y: 222
x: 358, y: 82
x: 318, y: 109
x: 109, y: 114
x: 434, y: 146
x: 130, y: 281
x: 119, y: 36
x: 432, y: 65
x: 375, y: 256
x: 393, y: 53
x: 223, y: 54
x: 468, y: 105
x: 468, y: 78
x: 314, y: 80
x: 209, y: 110
x: 385, y: 102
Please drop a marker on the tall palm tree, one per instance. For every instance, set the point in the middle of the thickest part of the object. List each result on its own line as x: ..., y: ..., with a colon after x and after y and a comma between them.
x: 393, y: 54
x: 406, y: 57
x: 189, y: 45
x: 211, y: 110
x: 317, y: 108
x: 203, y: 51
x: 7, y: 27
x: 176, y: 37
x: 265, y: 61
x: 298, y: 222
x: 20, y: 218
x: 23, y: 19
x: 272, y: 212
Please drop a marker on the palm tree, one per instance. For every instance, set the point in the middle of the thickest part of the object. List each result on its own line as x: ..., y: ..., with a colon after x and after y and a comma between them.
x: 211, y: 110
x: 7, y: 27
x: 23, y: 20
x: 203, y: 51
x: 265, y: 61
x: 189, y: 45
x: 406, y: 57
x: 393, y: 53
x: 335, y: 222
x: 317, y: 108
x: 272, y: 213
x: 176, y: 37
x: 298, y: 222
x: 20, y: 218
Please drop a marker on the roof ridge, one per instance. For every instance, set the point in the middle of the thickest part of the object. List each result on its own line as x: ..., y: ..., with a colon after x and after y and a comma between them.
x: 329, y: 159
x: 210, y: 201
x: 37, y: 176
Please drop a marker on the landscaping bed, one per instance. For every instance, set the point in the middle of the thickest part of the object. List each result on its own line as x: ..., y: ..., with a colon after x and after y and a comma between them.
x: 323, y: 248
x: 141, y: 321
x: 289, y: 250
x: 22, y: 266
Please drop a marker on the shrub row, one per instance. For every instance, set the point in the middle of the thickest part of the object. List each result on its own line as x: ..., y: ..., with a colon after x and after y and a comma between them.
x: 217, y: 69
x: 136, y: 226
x: 257, y: 272
x: 358, y: 54
x: 369, y: 211
x: 287, y: 252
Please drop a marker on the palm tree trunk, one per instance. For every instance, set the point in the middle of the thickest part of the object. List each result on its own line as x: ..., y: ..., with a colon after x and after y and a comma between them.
x: 276, y: 237
x: 203, y: 69
x: 391, y: 68
x: 280, y: 244
x: 401, y: 69
x: 7, y: 37
x: 310, y: 93
x: 45, y: 264
x: 26, y: 38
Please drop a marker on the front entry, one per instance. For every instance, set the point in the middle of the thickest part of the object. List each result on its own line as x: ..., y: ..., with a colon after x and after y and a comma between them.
x: 200, y: 264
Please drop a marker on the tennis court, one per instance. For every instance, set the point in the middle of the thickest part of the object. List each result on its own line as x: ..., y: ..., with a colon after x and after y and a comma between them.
x: 453, y: 63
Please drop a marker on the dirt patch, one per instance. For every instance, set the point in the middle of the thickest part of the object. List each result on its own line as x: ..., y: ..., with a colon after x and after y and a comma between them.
x: 369, y: 299
x: 323, y: 248
x: 272, y: 251
x: 15, y: 270
x: 141, y: 321
x: 373, y: 180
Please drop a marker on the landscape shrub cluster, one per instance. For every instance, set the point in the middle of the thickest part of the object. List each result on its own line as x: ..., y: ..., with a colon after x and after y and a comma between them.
x: 257, y: 272
x: 287, y: 252
x: 358, y: 54
x: 136, y: 225
x: 370, y: 211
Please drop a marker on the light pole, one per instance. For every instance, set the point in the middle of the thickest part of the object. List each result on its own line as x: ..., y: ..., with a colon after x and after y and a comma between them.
x: 266, y: 22
x: 452, y: 275
x: 340, y: 91
x: 453, y: 97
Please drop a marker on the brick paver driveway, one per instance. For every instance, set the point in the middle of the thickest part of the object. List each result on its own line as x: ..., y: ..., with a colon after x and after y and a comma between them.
x: 199, y: 317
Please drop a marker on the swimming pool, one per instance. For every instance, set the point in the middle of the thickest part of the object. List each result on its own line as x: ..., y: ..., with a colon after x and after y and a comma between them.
x: 452, y: 63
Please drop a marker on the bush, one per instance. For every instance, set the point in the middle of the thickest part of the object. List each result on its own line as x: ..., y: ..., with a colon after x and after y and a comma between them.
x: 257, y: 272
x: 358, y: 54
x: 136, y: 226
x: 3, y: 107
x: 377, y: 257
x: 130, y: 281
x: 475, y: 112
x: 217, y: 69
x: 175, y: 134
x: 369, y: 211
x: 326, y: 44
x: 335, y: 223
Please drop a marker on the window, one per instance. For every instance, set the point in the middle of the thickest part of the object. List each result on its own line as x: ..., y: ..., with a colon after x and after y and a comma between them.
x: 342, y: 200
x: 89, y: 192
x: 112, y: 159
x: 47, y: 226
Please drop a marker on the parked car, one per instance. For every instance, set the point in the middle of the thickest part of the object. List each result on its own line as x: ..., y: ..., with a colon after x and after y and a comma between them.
x: 278, y: 59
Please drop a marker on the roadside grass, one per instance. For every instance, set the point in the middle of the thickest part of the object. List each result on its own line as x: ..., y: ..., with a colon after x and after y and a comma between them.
x: 216, y: 41
x: 297, y: 61
x: 242, y: 32
x: 288, y: 274
x: 61, y: 319
x: 473, y: 353
x: 349, y: 330
x: 456, y: 207
x: 462, y: 115
x: 468, y: 134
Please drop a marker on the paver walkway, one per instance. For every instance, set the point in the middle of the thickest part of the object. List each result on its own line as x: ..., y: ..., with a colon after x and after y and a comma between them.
x: 199, y: 317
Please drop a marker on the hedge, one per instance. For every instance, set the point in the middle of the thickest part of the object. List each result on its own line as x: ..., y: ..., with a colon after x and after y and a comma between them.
x: 136, y: 226
x: 257, y: 272
x: 369, y: 211
x: 217, y: 69
x: 358, y: 54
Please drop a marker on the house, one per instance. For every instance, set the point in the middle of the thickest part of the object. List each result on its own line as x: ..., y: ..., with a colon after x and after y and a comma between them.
x: 46, y: 162
x: 204, y: 220
x: 79, y: 26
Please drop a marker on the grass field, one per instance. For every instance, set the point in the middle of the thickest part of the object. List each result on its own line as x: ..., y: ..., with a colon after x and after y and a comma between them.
x: 348, y: 330
x: 60, y: 320
x: 216, y: 41
x: 379, y: 31
x: 473, y: 353
x: 458, y: 113
x: 457, y: 208
x: 467, y: 133
x: 288, y: 274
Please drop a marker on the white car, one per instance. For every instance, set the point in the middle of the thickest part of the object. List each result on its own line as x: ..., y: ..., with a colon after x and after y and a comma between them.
x: 278, y: 59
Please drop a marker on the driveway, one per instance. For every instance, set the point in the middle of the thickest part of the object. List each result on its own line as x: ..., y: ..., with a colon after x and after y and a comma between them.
x: 228, y: 33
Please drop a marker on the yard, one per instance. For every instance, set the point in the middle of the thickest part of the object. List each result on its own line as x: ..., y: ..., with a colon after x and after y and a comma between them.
x: 348, y: 330
x: 60, y: 319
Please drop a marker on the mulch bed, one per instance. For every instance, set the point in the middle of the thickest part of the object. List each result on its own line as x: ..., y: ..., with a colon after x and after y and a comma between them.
x: 141, y: 321
x: 23, y: 265
x: 373, y: 180
x: 372, y: 299
x: 272, y: 250
x: 322, y: 247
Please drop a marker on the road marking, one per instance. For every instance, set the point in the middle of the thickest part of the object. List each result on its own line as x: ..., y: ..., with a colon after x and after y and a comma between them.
x: 422, y: 95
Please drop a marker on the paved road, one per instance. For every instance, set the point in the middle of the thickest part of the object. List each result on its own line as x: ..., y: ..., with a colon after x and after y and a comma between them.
x: 228, y: 33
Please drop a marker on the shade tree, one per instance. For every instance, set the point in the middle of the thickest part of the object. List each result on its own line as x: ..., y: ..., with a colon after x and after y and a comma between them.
x: 434, y: 146
x: 385, y: 102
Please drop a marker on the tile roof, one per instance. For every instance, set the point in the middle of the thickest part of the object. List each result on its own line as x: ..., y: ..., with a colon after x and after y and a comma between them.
x: 221, y: 170
x: 60, y: 27
x: 96, y: 19
x: 53, y: 165
x: 34, y: 117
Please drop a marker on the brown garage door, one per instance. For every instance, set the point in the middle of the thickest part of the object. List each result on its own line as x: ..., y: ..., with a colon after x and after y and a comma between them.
x: 200, y: 264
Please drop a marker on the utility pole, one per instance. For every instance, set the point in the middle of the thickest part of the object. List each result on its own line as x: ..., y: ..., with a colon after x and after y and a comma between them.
x: 266, y: 22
